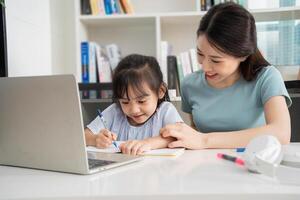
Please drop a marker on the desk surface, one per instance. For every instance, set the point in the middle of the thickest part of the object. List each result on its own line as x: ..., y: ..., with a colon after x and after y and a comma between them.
x: 192, y: 175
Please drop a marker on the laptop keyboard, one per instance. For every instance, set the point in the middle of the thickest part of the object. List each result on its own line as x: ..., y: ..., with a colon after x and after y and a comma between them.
x: 98, y: 163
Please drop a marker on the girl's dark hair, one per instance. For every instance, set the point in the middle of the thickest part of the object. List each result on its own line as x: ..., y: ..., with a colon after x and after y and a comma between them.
x: 231, y: 29
x: 134, y: 70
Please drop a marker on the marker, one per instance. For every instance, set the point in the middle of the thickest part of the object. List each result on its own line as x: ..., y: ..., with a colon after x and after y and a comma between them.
x: 231, y: 158
x: 240, y: 150
x: 105, y: 126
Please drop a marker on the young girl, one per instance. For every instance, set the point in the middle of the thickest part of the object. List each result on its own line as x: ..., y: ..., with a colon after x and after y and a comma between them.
x: 237, y: 95
x: 140, y: 111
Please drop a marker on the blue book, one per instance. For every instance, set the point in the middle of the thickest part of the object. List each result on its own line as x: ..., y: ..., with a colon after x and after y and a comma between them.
x: 107, y: 6
x: 114, y: 7
x: 85, y: 62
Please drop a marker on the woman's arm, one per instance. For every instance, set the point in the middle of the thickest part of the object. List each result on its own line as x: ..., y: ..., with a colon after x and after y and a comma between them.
x: 277, y: 124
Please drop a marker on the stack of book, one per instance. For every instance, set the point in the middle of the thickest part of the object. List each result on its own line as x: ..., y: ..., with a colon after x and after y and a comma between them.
x: 176, y: 67
x: 207, y: 4
x: 97, y: 64
x: 106, y: 7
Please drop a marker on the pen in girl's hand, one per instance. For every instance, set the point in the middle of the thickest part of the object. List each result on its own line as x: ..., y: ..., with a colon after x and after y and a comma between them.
x: 231, y: 158
x: 102, y: 118
x: 115, y: 144
x: 105, y: 126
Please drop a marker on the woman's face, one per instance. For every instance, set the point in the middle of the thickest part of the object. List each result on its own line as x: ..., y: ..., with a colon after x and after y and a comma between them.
x: 221, y: 70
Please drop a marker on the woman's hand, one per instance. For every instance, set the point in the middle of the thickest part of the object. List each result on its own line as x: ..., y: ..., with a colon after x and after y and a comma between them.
x: 104, y: 138
x: 186, y: 136
x: 135, y: 147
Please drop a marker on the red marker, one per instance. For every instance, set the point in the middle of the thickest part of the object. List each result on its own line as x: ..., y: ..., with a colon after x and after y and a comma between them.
x: 231, y: 158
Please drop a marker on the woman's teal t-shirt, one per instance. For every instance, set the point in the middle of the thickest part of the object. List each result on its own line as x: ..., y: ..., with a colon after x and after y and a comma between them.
x: 238, y: 107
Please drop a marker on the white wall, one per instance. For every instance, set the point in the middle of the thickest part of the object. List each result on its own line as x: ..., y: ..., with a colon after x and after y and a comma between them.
x: 28, y: 37
x: 39, y: 37
x: 63, y: 36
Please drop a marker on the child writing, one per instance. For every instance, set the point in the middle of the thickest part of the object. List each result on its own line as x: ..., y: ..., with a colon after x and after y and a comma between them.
x: 140, y: 109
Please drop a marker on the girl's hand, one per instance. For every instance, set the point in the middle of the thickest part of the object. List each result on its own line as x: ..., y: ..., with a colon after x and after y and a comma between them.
x: 186, y: 136
x: 104, y: 138
x: 135, y: 147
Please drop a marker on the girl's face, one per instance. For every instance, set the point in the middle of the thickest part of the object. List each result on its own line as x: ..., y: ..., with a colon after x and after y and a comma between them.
x: 221, y: 70
x: 139, y: 108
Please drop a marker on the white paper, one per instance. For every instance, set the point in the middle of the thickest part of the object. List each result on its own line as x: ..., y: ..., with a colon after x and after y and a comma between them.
x: 154, y: 152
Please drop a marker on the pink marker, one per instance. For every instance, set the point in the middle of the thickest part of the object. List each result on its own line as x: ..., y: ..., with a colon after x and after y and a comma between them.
x: 231, y: 158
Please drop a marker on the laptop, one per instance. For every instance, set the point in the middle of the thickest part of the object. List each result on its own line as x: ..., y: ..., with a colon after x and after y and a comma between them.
x: 41, y: 127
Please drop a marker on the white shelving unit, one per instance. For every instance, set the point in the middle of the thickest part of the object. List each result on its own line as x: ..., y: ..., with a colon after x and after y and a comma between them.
x: 143, y: 31
x: 175, y: 21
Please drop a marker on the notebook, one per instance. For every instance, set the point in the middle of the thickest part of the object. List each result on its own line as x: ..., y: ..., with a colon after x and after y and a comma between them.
x: 154, y: 152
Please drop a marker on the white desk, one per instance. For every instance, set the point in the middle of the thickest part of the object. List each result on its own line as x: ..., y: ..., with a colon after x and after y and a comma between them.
x: 191, y: 176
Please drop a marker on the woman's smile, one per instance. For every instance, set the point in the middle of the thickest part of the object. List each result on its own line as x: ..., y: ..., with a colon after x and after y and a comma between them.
x: 211, y: 75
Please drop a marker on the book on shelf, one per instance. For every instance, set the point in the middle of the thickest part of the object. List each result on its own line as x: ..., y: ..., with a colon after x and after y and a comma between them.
x: 114, y: 7
x: 120, y: 10
x: 97, y: 62
x: 179, y: 70
x: 165, y: 49
x: 186, y: 63
x: 85, y: 7
x: 96, y: 68
x: 92, y: 63
x: 173, y: 78
x: 104, y: 70
x: 203, y: 4
x: 178, y: 66
x: 207, y: 4
x: 94, y: 7
x: 127, y: 6
x: 84, y: 62
x: 101, y: 7
x: 106, y: 7
x: 114, y: 55
x: 97, y: 7
x: 194, y: 60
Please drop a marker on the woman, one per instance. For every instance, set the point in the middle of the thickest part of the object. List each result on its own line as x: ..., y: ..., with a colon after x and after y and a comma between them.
x: 237, y: 95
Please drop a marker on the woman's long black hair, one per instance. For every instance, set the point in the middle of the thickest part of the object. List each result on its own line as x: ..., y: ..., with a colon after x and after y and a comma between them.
x: 231, y: 29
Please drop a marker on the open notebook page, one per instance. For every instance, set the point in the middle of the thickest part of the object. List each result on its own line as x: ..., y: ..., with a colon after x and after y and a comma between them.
x: 110, y: 149
x: 154, y: 152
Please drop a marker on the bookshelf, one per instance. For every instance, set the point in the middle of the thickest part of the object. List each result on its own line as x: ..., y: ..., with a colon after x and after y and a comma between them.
x: 154, y: 21
x: 175, y: 21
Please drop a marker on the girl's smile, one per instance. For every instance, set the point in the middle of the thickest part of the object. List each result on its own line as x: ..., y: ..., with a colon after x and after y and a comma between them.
x: 140, y: 107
